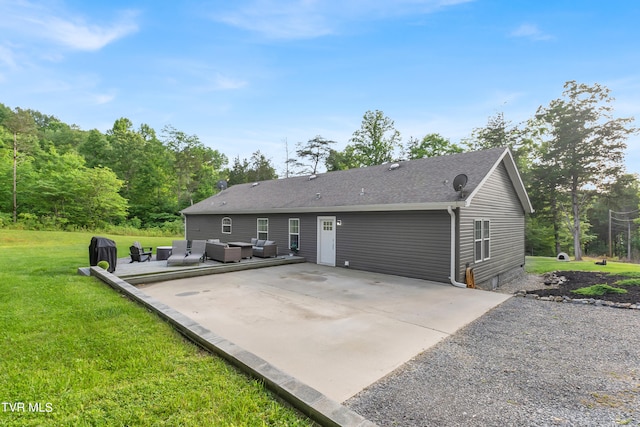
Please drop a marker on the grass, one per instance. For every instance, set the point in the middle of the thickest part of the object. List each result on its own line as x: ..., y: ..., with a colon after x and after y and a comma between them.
x: 540, y: 265
x: 80, y: 354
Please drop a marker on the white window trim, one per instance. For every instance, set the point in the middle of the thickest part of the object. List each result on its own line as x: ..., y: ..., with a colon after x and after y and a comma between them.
x: 294, y: 234
x: 258, y: 228
x: 230, y: 225
x: 483, y: 240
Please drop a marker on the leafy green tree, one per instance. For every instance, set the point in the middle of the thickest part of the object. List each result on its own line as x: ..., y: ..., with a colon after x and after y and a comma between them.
x: 97, y: 199
x: 431, y: 145
x: 238, y: 172
x: 63, y: 137
x: 258, y: 168
x: 19, y: 123
x: 341, y: 160
x: 585, y: 145
x: 53, y: 186
x: 623, y: 198
x: 315, y: 151
x: 500, y: 132
x: 376, y: 141
x: 95, y: 149
x: 197, y: 167
x: 128, y: 149
x: 539, y: 236
x: 261, y: 168
x: 6, y: 170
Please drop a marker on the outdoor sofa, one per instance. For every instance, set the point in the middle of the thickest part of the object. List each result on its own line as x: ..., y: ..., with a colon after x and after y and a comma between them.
x: 222, y: 252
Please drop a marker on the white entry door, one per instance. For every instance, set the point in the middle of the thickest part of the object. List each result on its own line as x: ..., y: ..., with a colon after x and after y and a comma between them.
x: 327, y: 240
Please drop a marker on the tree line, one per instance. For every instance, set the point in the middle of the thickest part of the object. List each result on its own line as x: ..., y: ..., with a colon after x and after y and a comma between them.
x: 570, y: 155
x: 55, y: 175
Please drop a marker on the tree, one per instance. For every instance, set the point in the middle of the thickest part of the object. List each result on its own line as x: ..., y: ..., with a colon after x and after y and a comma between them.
x: 19, y: 122
x: 315, y: 151
x: 341, y: 160
x: 95, y: 149
x: 260, y: 168
x: 431, y: 145
x: 97, y: 201
x: 238, y: 172
x: 376, y: 141
x: 499, y: 132
x: 585, y: 146
x: 54, y: 187
x: 622, y: 199
x: 197, y: 167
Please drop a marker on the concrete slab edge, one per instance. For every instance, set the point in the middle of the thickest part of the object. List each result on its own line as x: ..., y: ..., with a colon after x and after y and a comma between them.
x: 136, y: 279
x: 308, y: 400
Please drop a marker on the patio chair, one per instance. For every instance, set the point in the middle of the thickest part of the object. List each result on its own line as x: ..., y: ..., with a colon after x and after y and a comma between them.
x: 137, y: 255
x: 198, y: 249
x: 178, y: 252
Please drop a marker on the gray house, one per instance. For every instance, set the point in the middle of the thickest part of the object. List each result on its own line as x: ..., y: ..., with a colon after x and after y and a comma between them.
x: 404, y: 218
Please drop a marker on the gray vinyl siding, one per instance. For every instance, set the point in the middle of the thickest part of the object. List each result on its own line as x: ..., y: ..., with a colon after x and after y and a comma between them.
x: 244, y: 227
x: 202, y: 227
x: 406, y: 243
x: 497, y: 201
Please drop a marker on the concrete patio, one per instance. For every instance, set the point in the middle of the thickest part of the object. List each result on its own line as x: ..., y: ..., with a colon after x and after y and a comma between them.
x: 335, y: 329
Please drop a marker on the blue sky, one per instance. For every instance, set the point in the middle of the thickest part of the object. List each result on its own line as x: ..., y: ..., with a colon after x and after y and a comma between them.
x: 246, y: 75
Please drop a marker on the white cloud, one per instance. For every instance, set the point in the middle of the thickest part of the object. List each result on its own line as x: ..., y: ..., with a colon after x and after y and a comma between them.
x: 26, y: 21
x: 227, y: 83
x: 301, y: 19
x: 101, y: 99
x: 219, y: 82
x: 530, y: 31
x: 82, y: 36
x: 280, y: 20
x: 7, y: 57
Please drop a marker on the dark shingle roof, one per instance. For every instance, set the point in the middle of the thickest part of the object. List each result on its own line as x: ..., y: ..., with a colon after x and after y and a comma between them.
x: 415, y: 184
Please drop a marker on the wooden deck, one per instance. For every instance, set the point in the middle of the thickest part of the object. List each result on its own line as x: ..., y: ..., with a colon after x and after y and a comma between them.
x: 157, y: 271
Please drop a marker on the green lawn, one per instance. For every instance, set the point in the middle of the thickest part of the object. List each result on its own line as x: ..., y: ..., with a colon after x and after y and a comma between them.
x: 541, y: 265
x: 74, y: 352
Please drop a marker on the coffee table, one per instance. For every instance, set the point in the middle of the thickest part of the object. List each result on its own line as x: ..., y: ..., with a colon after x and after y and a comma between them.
x: 163, y: 252
x: 246, y: 249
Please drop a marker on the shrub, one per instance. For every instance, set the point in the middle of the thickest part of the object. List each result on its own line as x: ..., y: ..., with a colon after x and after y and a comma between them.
x: 628, y: 282
x: 599, y: 290
x: 103, y: 265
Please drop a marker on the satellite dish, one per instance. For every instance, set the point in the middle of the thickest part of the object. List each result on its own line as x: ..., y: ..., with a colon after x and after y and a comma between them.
x: 459, y: 182
x: 222, y: 185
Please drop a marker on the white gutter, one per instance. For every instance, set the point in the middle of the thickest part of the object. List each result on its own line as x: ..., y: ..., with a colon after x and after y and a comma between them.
x: 453, y: 250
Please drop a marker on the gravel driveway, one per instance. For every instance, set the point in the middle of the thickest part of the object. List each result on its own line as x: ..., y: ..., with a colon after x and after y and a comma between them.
x: 524, y: 363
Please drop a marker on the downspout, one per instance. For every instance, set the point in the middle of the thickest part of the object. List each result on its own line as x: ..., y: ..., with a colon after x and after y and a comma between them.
x: 184, y: 226
x: 453, y: 250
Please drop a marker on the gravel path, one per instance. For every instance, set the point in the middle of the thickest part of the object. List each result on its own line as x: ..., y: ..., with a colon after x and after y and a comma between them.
x: 525, y: 363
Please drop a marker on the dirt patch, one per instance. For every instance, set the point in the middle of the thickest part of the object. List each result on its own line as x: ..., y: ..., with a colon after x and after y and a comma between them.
x: 581, y: 279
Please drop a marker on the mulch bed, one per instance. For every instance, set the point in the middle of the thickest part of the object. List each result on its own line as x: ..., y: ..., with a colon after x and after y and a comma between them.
x: 581, y: 279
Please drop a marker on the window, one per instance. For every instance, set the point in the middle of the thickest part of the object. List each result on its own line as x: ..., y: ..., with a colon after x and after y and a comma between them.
x: 481, y: 239
x: 294, y: 234
x: 226, y: 225
x: 263, y: 228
